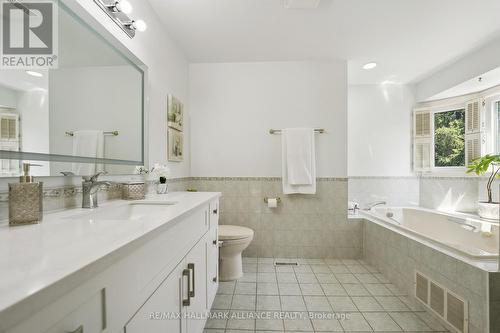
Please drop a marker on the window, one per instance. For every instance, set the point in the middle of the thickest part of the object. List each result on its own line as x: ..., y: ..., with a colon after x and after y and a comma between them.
x: 497, y: 113
x: 449, y: 138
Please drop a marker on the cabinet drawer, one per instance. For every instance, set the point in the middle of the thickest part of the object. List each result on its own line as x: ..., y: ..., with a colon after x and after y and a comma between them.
x: 163, y: 252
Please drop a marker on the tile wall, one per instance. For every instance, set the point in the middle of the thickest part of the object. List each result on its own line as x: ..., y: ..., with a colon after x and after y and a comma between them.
x: 450, y: 193
x: 442, y: 193
x: 494, y: 284
x: 397, y: 257
x: 396, y: 191
x: 306, y: 226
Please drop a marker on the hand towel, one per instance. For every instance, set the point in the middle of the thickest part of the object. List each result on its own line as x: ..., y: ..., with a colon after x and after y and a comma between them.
x: 298, y: 161
x: 88, y: 144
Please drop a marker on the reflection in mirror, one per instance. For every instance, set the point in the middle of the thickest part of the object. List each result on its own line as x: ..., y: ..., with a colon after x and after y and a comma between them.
x: 90, y: 106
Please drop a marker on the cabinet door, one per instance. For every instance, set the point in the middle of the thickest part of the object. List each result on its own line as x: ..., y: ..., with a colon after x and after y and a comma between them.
x: 196, y: 263
x: 159, y: 313
x: 90, y: 317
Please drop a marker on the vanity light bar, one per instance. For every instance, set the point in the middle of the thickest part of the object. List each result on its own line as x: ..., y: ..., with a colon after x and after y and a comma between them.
x: 113, y: 9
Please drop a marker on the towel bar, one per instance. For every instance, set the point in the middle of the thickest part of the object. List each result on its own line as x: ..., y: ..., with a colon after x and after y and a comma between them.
x: 278, y: 131
x: 113, y: 133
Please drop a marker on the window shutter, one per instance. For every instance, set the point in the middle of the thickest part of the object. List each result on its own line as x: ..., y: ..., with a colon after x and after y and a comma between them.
x: 9, y: 125
x: 422, y: 154
x: 473, y: 131
x: 472, y: 147
x: 422, y: 123
x: 9, y: 141
x: 473, y: 116
x: 422, y: 140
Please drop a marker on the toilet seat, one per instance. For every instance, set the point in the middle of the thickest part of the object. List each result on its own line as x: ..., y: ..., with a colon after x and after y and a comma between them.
x: 234, y: 232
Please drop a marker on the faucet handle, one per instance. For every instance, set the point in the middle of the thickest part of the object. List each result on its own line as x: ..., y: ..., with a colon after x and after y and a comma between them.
x: 94, y: 177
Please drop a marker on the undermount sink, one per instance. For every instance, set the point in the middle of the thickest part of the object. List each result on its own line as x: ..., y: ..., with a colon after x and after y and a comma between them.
x: 130, y: 211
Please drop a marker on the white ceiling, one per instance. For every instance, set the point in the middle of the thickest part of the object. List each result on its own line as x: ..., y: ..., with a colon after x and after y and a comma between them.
x: 488, y: 80
x: 409, y: 39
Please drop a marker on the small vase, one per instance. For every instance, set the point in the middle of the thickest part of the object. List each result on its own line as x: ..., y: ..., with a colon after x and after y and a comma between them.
x: 161, y: 188
x: 488, y: 211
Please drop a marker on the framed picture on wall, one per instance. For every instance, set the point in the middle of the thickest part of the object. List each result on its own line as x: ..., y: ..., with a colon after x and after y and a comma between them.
x: 175, y: 113
x: 175, y: 145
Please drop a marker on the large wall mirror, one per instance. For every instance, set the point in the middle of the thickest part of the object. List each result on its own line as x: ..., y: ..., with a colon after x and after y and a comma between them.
x: 83, y: 117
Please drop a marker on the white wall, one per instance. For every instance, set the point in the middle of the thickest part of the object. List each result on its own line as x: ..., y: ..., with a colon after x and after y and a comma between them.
x: 167, y: 73
x: 233, y: 106
x: 379, y: 122
x: 8, y: 97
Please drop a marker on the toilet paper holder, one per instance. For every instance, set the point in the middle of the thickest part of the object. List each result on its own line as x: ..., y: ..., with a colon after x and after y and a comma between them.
x: 278, y: 199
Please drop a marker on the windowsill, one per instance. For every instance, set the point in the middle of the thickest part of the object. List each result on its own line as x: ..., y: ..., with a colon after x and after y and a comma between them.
x: 447, y: 172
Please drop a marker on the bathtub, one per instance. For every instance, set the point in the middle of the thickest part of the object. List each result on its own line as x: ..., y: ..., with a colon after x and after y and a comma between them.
x: 461, y: 233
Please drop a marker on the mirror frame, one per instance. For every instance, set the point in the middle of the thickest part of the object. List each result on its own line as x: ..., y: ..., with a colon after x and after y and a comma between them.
x: 84, y: 18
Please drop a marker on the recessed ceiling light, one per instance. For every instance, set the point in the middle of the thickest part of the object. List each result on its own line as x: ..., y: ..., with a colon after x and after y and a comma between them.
x: 370, y: 65
x: 35, y: 74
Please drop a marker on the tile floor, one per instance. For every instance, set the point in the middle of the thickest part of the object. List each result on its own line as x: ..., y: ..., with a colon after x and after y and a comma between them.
x: 319, y: 295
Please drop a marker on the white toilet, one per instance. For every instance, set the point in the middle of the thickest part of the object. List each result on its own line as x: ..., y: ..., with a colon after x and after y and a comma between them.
x: 234, y: 240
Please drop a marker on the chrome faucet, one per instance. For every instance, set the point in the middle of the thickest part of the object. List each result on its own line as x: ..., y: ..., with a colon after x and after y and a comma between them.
x: 90, y: 187
x: 374, y: 204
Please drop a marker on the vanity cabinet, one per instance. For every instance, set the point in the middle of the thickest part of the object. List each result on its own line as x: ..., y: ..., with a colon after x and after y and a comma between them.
x: 165, y: 283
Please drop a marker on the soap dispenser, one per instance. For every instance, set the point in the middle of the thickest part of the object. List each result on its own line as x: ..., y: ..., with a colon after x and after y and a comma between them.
x: 25, y: 199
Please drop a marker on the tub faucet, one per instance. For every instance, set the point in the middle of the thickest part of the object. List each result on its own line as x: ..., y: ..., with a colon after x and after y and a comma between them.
x: 90, y: 186
x: 374, y: 204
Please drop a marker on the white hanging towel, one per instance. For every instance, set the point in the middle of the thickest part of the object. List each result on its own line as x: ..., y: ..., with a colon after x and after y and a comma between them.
x: 298, y: 161
x: 88, y: 144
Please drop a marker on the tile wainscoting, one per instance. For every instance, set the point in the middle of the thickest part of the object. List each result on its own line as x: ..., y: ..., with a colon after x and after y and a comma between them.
x: 435, y: 192
x: 305, y: 226
x: 397, y: 257
x: 396, y: 191
x: 459, y: 194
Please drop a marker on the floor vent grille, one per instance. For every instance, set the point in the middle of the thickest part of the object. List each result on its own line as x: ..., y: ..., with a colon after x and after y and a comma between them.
x: 442, y: 302
x: 421, y: 288
x: 280, y: 263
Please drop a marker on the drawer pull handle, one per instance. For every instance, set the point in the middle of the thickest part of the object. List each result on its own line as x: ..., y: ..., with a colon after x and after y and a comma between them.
x: 191, y: 267
x: 215, y: 211
x: 214, y: 242
x: 214, y: 279
x: 78, y: 330
x: 187, y: 302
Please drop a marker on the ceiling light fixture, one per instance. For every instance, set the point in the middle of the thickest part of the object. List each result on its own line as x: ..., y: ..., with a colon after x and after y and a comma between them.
x: 119, y: 10
x: 35, y: 74
x: 370, y: 65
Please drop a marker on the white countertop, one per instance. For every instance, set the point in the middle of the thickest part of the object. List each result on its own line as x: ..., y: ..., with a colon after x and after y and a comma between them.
x: 35, y: 257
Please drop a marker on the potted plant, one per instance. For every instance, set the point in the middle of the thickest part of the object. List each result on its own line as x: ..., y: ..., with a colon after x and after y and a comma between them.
x: 480, y: 166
